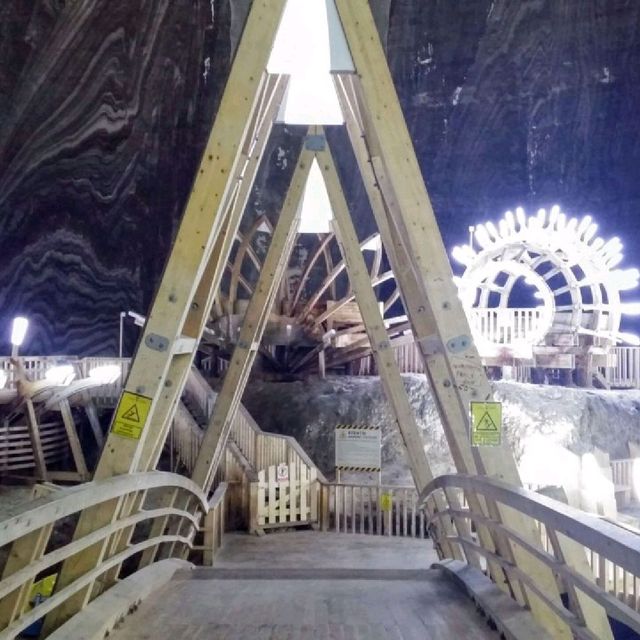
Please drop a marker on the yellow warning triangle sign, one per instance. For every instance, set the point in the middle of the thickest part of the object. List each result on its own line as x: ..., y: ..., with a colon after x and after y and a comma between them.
x: 131, y: 414
x: 486, y: 423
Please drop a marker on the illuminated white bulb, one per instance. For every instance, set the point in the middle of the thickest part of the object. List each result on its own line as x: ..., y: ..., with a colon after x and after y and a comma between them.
x: 19, y: 330
x: 511, y: 221
x: 460, y: 255
x: 614, y: 260
x: 493, y: 232
x: 538, y: 295
x: 533, y: 223
x: 542, y: 217
x: 597, y: 244
x: 503, y: 228
x: 105, y: 374
x: 483, y: 237
x: 561, y: 222
x: 61, y: 375
x: 590, y: 233
x: 612, y: 246
x: 629, y: 338
x: 553, y: 216
x: 585, y: 223
x: 625, y: 279
x: 572, y: 227
x: 521, y: 218
x: 630, y: 308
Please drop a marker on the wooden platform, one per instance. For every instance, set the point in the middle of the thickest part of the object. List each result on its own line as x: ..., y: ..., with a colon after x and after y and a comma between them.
x: 309, y: 585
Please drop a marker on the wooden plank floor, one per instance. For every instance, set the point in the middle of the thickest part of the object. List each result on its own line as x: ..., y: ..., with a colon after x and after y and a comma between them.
x: 343, y: 598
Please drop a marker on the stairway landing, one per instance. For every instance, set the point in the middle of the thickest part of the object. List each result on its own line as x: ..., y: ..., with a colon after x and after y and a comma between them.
x: 307, y: 585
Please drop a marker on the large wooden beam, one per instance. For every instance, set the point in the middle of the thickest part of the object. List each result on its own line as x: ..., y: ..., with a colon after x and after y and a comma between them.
x: 252, y: 154
x: 172, y: 306
x: 390, y: 376
x: 374, y: 324
x: 455, y: 370
x: 253, y: 325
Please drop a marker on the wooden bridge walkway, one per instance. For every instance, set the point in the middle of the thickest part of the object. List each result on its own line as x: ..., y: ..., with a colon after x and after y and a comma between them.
x: 307, y: 585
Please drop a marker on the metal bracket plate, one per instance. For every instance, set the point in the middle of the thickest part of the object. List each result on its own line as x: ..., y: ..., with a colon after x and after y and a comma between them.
x: 431, y: 345
x: 315, y: 143
x: 156, y: 342
x: 459, y: 344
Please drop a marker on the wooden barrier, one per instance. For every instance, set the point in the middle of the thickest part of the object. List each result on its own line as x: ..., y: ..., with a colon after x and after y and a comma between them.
x: 30, y: 527
x: 622, y: 472
x: 372, y: 510
x: 625, y: 374
x: 214, y: 525
x: 287, y: 501
x: 611, y: 550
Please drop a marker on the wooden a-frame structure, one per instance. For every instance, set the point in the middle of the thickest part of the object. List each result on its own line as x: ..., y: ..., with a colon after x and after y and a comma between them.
x: 410, y: 235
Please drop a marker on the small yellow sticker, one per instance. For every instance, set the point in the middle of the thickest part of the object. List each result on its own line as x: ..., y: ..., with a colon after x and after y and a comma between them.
x: 386, y: 502
x: 131, y: 415
x: 41, y: 590
x: 486, y: 424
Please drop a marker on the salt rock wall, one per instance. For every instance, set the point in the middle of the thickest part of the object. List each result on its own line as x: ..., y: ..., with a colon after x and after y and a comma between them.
x: 573, y: 418
x: 105, y: 106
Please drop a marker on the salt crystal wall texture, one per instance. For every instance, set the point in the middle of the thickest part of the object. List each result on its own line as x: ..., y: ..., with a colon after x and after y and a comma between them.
x: 105, y: 106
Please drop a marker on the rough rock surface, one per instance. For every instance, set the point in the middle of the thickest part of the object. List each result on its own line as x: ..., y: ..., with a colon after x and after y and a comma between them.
x: 105, y: 106
x: 577, y: 419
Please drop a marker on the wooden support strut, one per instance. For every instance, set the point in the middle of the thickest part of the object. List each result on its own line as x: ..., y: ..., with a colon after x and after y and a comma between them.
x: 252, y: 329
x: 417, y: 306
x: 253, y: 151
x: 74, y: 441
x: 376, y: 330
x: 201, y: 222
x: 450, y: 358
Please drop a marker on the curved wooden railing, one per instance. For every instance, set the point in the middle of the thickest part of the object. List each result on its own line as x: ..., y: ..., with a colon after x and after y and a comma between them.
x: 611, y: 550
x: 35, y: 539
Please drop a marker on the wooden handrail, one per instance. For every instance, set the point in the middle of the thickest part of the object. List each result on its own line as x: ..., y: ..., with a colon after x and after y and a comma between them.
x: 24, y: 518
x: 617, y: 544
x: 30, y: 526
x: 616, y: 548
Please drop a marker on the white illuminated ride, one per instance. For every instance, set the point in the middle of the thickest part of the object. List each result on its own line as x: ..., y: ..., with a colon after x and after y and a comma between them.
x: 544, y: 290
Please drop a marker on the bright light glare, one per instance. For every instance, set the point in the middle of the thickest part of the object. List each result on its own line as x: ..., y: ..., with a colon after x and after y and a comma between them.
x: 635, y: 477
x: 459, y: 255
x: 373, y: 244
x: 630, y: 308
x: 311, y: 99
x: 19, y: 331
x: 316, y: 213
x: 597, y: 491
x: 629, y: 338
x: 309, y: 45
x: 105, y: 374
x: 61, y: 375
x: 547, y: 463
x: 625, y: 279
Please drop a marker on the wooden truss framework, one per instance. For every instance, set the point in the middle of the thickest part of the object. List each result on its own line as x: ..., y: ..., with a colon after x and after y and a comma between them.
x: 411, y: 238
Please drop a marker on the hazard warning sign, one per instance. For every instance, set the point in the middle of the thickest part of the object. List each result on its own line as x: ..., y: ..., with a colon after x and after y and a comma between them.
x: 131, y: 415
x: 486, y: 424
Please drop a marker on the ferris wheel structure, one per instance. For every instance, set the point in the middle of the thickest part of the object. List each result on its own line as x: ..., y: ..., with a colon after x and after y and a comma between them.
x: 545, y: 289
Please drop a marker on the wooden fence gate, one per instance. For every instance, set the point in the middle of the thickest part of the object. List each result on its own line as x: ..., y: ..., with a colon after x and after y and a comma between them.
x: 285, y: 495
